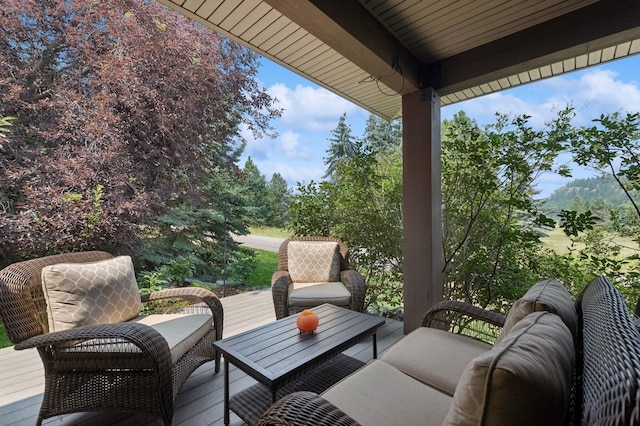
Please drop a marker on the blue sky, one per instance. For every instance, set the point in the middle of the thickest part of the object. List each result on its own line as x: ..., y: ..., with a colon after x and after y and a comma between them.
x: 311, y: 112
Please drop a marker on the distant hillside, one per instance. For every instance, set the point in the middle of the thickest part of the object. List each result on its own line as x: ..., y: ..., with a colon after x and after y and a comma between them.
x: 584, y: 192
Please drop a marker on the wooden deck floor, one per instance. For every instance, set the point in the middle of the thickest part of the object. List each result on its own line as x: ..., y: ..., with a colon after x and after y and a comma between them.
x: 200, y: 401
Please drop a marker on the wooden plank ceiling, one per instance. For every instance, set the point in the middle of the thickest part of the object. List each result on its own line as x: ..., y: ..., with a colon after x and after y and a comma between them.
x: 373, y: 51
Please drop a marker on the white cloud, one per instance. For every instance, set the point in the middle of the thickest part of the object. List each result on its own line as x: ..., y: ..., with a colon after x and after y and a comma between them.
x: 285, y: 145
x: 294, y: 173
x: 311, y: 109
x: 289, y: 144
x: 591, y: 92
x: 309, y: 115
x: 596, y: 92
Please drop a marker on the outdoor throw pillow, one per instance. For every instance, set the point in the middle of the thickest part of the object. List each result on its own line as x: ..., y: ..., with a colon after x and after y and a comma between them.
x: 546, y: 295
x: 524, y: 380
x: 79, y: 294
x: 313, y: 261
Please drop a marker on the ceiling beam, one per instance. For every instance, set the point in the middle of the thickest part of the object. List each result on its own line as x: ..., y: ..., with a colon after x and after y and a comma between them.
x: 589, y: 29
x: 349, y: 29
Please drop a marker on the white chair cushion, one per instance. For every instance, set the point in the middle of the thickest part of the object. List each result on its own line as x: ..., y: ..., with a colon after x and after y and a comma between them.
x: 380, y: 395
x: 181, y: 331
x: 314, y: 294
x: 313, y: 261
x: 435, y: 357
x: 79, y: 294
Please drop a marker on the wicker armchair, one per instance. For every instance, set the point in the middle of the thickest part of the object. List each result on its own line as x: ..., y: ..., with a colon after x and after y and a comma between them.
x: 282, y: 285
x: 126, y: 366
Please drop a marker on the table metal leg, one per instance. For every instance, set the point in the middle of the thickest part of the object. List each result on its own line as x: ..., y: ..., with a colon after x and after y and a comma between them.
x: 375, y: 346
x: 226, y: 392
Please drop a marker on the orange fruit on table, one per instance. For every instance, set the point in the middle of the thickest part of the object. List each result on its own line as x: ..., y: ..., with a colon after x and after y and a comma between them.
x: 307, y: 321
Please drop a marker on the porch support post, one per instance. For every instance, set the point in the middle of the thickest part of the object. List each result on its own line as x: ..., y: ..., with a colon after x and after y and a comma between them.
x: 422, y: 205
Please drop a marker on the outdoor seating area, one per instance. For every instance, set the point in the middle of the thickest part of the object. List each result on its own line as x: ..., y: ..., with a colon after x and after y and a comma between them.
x: 201, y: 398
x: 123, y: 126
x: 532, y: 375
x: 104, y: 359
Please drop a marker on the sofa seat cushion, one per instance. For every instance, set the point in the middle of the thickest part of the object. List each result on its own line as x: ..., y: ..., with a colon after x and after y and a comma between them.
x: 524, y: 380
x: 378, y: 394
x: 546, y: 295
x: 435, y: 357
x: 181, y: 331
x: 80, y: 294
x: 313, y: 261
x: 314, y: 294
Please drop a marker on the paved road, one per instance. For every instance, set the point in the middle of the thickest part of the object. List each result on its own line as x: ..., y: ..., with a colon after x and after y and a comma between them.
x: 259, y: 242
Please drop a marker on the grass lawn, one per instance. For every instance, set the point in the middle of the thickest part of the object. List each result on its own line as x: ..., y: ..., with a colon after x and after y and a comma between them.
x: 4, y: 340
x: 560, y: 243
x: 270, y: 232
x: 267, y: 265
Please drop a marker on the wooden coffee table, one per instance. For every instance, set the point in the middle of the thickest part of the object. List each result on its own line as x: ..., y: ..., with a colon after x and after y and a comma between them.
x: 283, y: 360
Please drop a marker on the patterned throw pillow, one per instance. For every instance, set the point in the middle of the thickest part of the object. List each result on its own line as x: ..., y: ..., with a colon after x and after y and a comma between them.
x: 79, y: 294
x: 313, y: 261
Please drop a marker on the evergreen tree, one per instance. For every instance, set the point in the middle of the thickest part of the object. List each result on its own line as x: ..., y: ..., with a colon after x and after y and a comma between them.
x: 589, y: 190
x: 268, y: 201
x: 202, y: 233
x: 278, y: 194
x: 257, y: 192
x: 343, y: 146
x: 382, y: 135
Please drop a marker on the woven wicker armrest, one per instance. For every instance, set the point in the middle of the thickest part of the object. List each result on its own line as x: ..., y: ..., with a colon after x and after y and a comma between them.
x: 305, y: 409
x: 354, y: 282
x: 199, y: 300
x: 280, y: 278
x: 106, y: 337
x: 466, y: 319
x: 106, y: 346
x: 280, y: 290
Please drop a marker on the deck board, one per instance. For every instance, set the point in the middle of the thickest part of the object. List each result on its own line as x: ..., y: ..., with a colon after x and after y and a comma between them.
x: 200, y: 401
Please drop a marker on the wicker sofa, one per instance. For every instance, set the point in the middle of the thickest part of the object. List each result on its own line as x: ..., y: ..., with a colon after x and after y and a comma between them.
x: 554, y: 362
x: 104, y: 347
